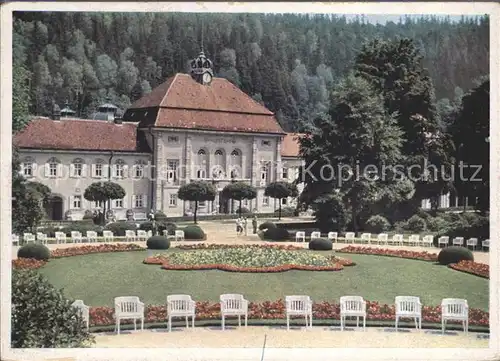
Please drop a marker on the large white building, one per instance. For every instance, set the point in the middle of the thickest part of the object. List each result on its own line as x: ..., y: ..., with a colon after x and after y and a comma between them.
x: 191, y: 127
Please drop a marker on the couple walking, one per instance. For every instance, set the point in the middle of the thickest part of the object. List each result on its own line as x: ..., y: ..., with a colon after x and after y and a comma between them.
x: 241, y: 224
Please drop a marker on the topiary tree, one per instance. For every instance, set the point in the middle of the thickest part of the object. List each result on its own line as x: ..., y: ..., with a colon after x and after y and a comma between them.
x: 280, y: 190
x: 195, y: 192
x: 377, y: 224
x: 454, y: 254
x: 239, y: 191
x: 158, y: 242
x: 42, y: 317
x: 320, y: 244
x: 103, y: 192
x: 34, y: 250
x: 194, y: 232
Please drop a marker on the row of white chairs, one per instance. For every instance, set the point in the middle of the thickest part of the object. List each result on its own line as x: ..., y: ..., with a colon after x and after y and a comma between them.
x: 91, y: 236
x: 397, y: 239
x: 130, y: 307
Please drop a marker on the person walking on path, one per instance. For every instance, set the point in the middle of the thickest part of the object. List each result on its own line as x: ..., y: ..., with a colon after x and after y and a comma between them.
x: 245, y: 225
x: 238, y: 226
x: 254, y: 224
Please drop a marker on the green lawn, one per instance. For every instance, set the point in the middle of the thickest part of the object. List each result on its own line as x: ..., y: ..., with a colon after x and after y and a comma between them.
x: 98, y: 278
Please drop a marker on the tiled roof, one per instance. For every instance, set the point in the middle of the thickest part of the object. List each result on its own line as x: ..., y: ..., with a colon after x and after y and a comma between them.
x: 79, y: 134
x: 184, y: 103
x: 290, y: 146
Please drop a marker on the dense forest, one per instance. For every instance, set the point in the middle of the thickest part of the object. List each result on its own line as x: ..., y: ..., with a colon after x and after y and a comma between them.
x: 289, y: 62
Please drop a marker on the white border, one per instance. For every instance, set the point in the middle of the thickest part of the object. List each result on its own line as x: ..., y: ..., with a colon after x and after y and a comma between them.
x: 234, y: 354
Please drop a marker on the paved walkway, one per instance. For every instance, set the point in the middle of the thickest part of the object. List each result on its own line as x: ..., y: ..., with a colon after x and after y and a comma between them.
x: 253, y: 336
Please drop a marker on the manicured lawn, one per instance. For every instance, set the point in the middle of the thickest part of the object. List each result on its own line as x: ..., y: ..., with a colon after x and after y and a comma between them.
x: 98, y: 278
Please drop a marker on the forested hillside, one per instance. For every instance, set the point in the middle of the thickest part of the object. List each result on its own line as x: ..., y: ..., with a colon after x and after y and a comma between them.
x: 287, y: 61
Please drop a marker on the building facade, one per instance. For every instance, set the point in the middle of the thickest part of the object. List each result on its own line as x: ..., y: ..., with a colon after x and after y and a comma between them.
x: 192, y: 127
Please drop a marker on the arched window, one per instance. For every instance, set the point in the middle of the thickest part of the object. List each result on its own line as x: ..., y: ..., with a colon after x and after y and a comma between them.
x: 77, y: 167
x: 235, y: 153
x: 139, y: 169
x: 201, y: 164
x: 120, y: 168
x: 53, y: 167
x: 28, y: 165
x: 202, y: 152
x: 219, y: 152
x: 219, y: 168
x: 236, y: 163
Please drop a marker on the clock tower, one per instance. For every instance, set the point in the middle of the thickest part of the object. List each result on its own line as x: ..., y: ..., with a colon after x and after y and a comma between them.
x: 201, y: 69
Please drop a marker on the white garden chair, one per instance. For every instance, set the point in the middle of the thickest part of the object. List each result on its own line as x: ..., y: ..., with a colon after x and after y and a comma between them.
x: 130, y: 236
x: 414, y: 239
x: 60, y: 237
x: 366, y: 237
x: 485, y: 243
x: 41, y: 237
x: 445, y: 240
x: 458, y: 241
x: 298, y: 306
x: 397, y: 239
x: 29, y: 238
x: 150, y: 234
x: 233, y: 305
x: 83, y: 309
x: 350, y: 237
x: 352, y: 306
x: 428, y: 241
x: 180, y: 306
x: 179, y: 235
x: 108, y: 236
x: 76, y: 237
x: 333, y: 236
x: 315, y: 235
x: 300, y: 236
x: 127, y: 308
x: 472, y: 242
x: 455, y: 309
x: 91, y: 236
x: 15, y: 240
x: 409, y: 307
x: 142, y: 235
x: 382, y: 238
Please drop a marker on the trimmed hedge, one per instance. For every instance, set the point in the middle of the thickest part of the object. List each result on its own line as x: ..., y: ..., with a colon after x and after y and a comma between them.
x: 320, y: 244
x: 215, y: 217
x: 146, y: 226
x: 169, y: 227
x: 194, y: 232
x: 34, y: 250
x: 119, y: 228
x: 82, y: 228
x: 158, y: 242
x: 276, y: 234
x: 454, y: 255
x: 297, y: 225
x: 267, y: 225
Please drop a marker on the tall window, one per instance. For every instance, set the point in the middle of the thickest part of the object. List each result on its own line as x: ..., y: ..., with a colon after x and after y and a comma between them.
x: 265, y: 201
x: 219, y: 168
x: 98, y: 168
x: 139, y: 169
x: 118, y: 203
x: 172, y: 202
x: 284, y: 173
x: 119, y: 168
x: 28, y: 167
x: 139, y: 200
x: 284, y: 201
x: 236, y: 164
x: 202, y: 164
x: 77, y: 168
x: 53, y: 166
x: 263, y: 174
x: 172, y: 166
x: 98, y: 204
x: 77, y: 202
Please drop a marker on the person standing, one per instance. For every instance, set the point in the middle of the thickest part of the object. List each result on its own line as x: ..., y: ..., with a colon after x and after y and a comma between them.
x: 254, y: 224
x: 238, y: 226
x: 245, y: 225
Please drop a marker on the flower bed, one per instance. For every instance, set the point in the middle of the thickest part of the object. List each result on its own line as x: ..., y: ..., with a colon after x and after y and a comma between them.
x: 103, y: 316
x: 249, y: 259
x: 477, y: 269
x: 236, y: 246
x: 29, y: 263
x: 423, y: 256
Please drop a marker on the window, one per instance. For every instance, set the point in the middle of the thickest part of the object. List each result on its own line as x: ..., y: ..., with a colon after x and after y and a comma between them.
x: 263, y: 174
x: 139, y: 201
x: 53, y: 165
x: 172, y: 202
x: 139, y: 170
x: 266, y: 143
x: 219, y: 152
x: 172, y: 170
x: 173, y: 139
x: 98, y: 168
x: 98, y: 204
x: 77, y: 168
x: 118, y: 203
x: 119, y: 168
x: 235, y: 153
x: 244, y: 203
x: 284, y: 174
x: 202, y: 204
x: 265, y: 201
x: 202, y: 152
x: 28, y: 167
x: 200, y: 173
x: 284, y: 201
x: 77, y: 202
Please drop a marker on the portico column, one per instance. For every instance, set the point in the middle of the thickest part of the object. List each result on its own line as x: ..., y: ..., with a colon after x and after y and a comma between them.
x: 278, y: 164
x: 188, y: 164
x: 255, y: 171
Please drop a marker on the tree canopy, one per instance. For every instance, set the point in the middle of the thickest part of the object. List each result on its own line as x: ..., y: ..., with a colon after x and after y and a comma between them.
x: 196, y: 192
x: 103, y: 192
x: 280, y: 190
x: 239, y: 191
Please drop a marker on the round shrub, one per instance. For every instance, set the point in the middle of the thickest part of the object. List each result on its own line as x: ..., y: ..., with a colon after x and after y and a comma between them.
x: 377, y: 224
x: 321, y: 245
x: 160, y: 216
x: 194, y: 232
x: 119, y: 228
x: 437, y: 224
x: 454, y: 255
x: 158, y: 242
x: 416, y: 224
x: 146, y: 226
x: 276, y: 234
x: 267, y: 225
x: 169, y: 227
x: 88, y: 215
x: 33, y: 250
x: 244, y: 210
x: 82, y: 227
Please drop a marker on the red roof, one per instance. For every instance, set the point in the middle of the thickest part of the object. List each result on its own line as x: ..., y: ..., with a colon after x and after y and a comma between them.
x: 78, y: 134
x: 290, y: 146
x: 184, y: 103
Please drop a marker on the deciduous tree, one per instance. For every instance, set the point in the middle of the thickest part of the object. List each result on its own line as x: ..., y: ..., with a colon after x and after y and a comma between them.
x: 196, y: 192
